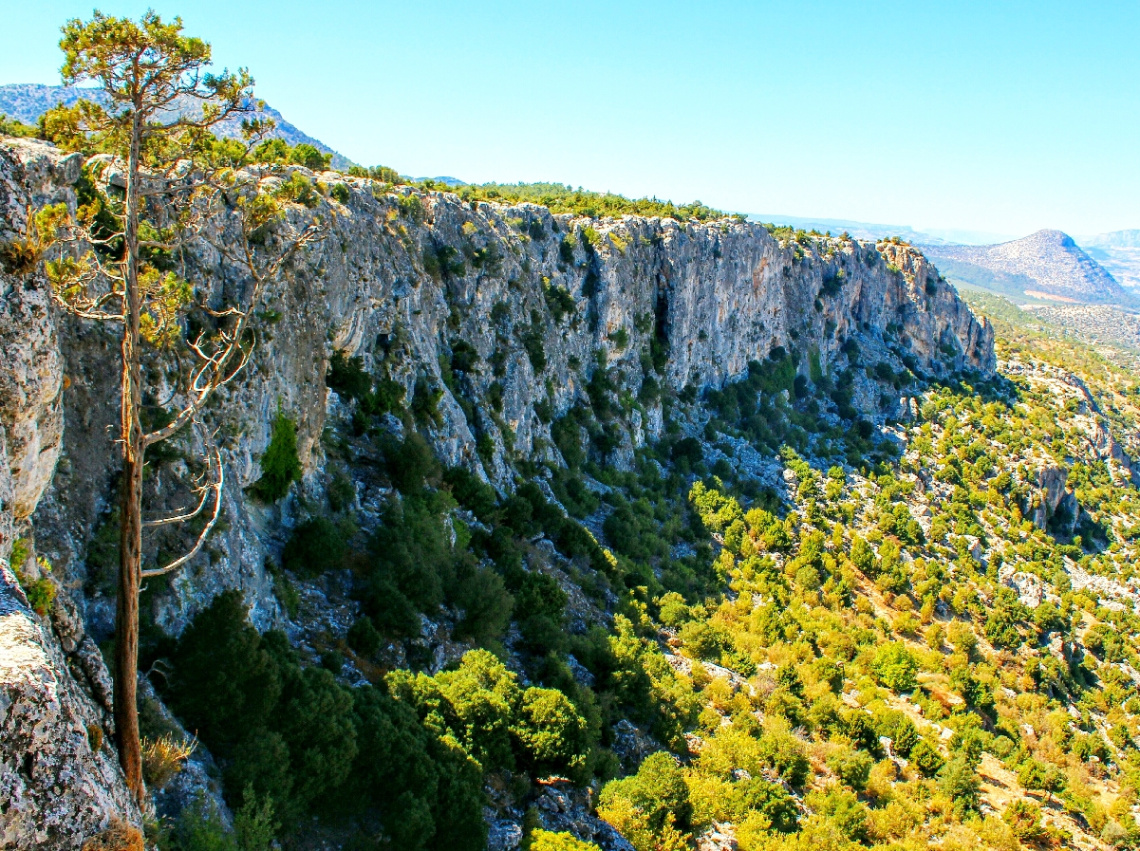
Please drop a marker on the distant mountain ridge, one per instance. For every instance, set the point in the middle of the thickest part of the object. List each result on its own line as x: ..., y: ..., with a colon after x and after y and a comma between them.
x: 876, y: 231
x: 1045, y: 265
x: 1114, y: 239
x: 26, y: 102
x: 1118, y: 252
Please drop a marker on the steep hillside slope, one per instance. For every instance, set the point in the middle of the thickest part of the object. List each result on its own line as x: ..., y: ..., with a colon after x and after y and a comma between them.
x: 653, y: 533
x: 1047, y: 264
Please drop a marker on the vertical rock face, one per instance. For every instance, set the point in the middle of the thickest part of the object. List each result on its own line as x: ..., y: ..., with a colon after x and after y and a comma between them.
x: 537, y: 303
x: 59, y: 776
x: 31, y: 412
x: 543, y: 301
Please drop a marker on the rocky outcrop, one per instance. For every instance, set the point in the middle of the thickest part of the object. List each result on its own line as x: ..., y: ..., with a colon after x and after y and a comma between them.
x: 1054, y: 505
x: 31, y: 412
x: 60, y: 781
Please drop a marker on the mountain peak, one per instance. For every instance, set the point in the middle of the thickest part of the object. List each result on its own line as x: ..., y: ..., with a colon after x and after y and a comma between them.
x: 1046, y: 264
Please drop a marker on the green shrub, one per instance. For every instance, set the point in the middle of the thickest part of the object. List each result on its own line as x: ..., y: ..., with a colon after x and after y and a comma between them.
x: 852, y: 767
x: 411, y: 564
x: 551, y: 733
x: 275, y: 150
x: 280, y: 466
x: 658, y: 791
x: 411, y: 207
x: 464, y: 356
x: 757, y: 795
x: 895, y: 666
x: 341, y: 492
x: 348, y: 377
x: 15, y: 127
x: 40, y: 592
x: 568, y: 438
x: 428, y: 792
x: 315, y: 547
x: 843, y: 812
x: 224, y: 681
x: 299, y: 189
x: 379, y: 173
x: 308, y: 156
x: 559, y: 301
x: 425, y: 403
x: 363, y: 637
x: 958, y: 779
x: 620, y: 339
x: 340, y: 192
x: 472, y: 493
x: 544, y: 840
x: 482, y: 595
x: 411, y: 463
x: 533, y: 340
x: 785, y: 753
x: 926, y: 759
x: 294, y: 737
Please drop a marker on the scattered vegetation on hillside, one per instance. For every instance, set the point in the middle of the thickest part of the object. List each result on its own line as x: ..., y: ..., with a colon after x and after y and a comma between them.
x: 580, y: 202
x: 897, y: 640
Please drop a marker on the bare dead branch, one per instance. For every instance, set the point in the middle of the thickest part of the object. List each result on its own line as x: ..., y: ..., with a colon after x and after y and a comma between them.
x: 185, y: 516
x: 214, y: 488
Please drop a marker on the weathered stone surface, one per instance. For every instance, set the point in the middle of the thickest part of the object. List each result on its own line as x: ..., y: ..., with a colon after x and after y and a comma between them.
x: 32, y: 375
x: 56, y: 788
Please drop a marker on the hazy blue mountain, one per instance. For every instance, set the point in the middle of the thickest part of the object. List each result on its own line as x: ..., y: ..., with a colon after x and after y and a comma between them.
x: 448, y: 181
x: 28, y: 101
x: 1114, y: 239
x: 1118, y: 252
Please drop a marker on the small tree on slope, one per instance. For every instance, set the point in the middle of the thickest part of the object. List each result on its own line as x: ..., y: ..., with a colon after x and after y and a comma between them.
x: 165, y: 183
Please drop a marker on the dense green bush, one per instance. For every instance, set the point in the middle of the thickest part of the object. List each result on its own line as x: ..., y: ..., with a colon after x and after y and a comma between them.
x: 657, y: 791
x: 363, y: 637
x: 895, y: 666
x: 379, y: 173
x: 498, y: 723
x: 411, y: 463
x: 316, y: 546
x: 295, y: 738
x: 411, y: 563
x: 347, y: 376
x: 425, y: 403
x: 280, y: 466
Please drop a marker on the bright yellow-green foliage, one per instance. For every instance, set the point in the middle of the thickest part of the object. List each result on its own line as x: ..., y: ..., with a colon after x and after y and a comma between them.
x: 496, y: 722
x: 875, y: 651
x: 545, y: 840
x: 13, y: 127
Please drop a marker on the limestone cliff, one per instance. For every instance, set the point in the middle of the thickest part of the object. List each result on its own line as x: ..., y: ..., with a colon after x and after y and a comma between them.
x: 404, y: 280
x: 59, y: 777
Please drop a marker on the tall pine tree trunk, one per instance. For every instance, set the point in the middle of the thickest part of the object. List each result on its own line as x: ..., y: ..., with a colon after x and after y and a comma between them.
x: 130, y: 541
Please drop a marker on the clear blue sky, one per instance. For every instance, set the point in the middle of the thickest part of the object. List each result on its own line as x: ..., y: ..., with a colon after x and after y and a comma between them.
x: 999, y: 116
